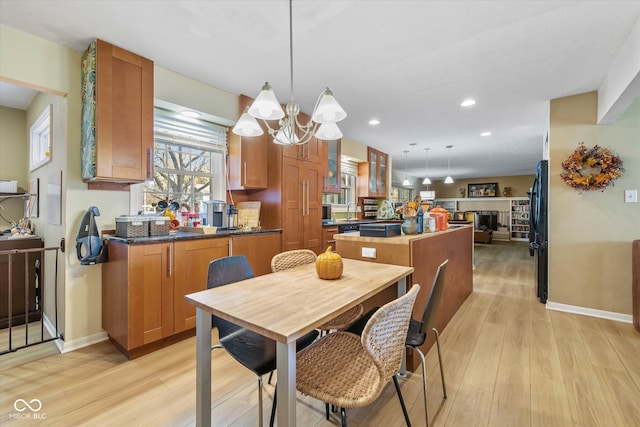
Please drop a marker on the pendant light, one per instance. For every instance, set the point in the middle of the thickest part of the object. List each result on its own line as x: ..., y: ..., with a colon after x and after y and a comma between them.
x: 448, y: 179
x: 327, y: 112
x: 406, y: 177
x: 426, y: 180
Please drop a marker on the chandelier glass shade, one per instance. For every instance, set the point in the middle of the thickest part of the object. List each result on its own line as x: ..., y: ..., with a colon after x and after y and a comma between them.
x: 290, y: 131
x: 426, y: 180
x: 448, y: 179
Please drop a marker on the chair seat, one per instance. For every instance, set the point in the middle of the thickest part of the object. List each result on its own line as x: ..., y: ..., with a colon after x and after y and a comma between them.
x: 256, y: 352
x: 415, y: 338
x: 338, y: 370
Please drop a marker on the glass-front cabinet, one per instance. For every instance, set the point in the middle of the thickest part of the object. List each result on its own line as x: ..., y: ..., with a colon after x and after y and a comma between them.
x: 373, y: 181
x: 331, y: 182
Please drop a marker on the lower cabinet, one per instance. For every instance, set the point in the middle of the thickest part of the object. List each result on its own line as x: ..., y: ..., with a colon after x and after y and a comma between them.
x: 327, y: 236
x: 259, y: 249
x: 143, y: 289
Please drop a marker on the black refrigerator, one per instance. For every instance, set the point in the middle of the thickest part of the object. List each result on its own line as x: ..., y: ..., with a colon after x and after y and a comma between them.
x: 539, y: 229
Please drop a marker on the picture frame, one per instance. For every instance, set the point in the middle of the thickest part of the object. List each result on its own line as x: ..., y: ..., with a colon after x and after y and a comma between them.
x: 488, y: 189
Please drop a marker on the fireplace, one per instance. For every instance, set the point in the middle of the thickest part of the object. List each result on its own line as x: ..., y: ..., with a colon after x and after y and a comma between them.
x: 486, y: 220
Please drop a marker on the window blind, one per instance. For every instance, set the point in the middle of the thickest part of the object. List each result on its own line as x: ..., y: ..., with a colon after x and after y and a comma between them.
x: 174, y: 128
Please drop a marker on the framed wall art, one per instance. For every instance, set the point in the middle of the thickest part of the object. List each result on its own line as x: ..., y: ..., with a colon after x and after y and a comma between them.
x: 489, y: 189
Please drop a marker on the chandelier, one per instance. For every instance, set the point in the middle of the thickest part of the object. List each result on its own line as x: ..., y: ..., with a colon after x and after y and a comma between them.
x: 326, y: 113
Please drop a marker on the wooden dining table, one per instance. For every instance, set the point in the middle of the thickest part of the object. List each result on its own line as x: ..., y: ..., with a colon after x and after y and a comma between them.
x: 283, y: 306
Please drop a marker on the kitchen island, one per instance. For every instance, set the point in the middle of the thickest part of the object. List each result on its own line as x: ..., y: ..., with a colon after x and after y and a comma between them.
x: 424, y: 252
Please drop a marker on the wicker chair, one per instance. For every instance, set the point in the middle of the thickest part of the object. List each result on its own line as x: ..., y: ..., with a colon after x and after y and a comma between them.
x: 298, y: 257
x: 418, y: 330
x: 348, y: 371
x: 256, y: 352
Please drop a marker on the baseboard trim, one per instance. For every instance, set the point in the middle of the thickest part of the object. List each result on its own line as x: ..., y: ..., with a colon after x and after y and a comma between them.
x: 592, y: 312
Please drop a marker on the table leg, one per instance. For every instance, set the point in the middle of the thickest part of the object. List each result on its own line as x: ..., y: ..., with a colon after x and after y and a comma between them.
x: 286, y: 364
x: 203, y: 368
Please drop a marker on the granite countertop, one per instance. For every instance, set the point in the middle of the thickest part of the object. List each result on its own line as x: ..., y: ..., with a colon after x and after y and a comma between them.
x: 185, y: 235
x: 328, y: 223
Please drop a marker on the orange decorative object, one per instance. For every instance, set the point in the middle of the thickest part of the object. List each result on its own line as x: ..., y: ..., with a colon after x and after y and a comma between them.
x: 329, y: 265
x: 442, y: 217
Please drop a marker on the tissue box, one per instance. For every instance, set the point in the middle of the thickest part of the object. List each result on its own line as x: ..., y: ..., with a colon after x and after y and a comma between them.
x: 8, y: 186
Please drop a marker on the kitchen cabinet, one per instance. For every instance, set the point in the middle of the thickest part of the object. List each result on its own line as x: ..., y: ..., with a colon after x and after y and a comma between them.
x: 301, y: 205
x: 143, y: 288
x: 520, y: 219
x: 373, y: 175
x: 327, y: 236
x: 259, y: 249
x: 247, y: 158
x: 331, y: 160
x: 117, y: 115
x: 312, y: 151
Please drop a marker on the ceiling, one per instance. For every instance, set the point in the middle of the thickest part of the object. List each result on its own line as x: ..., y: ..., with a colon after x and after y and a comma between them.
x: 407, y: 63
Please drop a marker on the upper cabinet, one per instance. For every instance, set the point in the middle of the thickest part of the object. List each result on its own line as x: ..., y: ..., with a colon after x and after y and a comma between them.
x: 372, y: 175
x: 117, y: 115
x: 248, y: 158
x: 331, y: 159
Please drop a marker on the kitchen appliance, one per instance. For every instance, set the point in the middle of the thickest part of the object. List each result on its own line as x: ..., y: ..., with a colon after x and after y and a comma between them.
x: 89, y: 247
x: 326, y: 213
x: 216, y: 213
x: 538, y: 226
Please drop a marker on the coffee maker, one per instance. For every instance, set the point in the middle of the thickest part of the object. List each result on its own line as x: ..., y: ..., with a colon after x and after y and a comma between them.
x: 217, y: 215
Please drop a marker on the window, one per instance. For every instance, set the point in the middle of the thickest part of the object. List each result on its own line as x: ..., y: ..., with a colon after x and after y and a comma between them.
x: 40, y: 142
x: 189, y: 162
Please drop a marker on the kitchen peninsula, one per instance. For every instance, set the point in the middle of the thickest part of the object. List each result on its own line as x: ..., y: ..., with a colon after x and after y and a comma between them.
x: 424, y: 252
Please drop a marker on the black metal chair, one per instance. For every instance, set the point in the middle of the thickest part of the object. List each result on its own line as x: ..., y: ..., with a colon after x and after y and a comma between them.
x: 418, y: 330
x: 256, y: 352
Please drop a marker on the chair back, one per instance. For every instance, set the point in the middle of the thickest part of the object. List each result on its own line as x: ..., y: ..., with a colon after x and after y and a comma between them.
x: 224, y: 271
x: 385, y: 333
x: 433, y: 302
x: 292, y: 259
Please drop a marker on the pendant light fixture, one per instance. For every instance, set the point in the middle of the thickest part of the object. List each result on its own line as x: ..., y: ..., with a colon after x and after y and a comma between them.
x: 448, y: 179
x: 426, y: 180
x: 326, y: 113
x: 406, y: 177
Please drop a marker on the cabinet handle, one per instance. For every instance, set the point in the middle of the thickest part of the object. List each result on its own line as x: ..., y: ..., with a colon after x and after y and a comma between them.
x: 150, y: 164
x: 230, y: 247
x: 245, y: 173
x: 302, y: 197
x: 169, y: 261
x: 308, y: 185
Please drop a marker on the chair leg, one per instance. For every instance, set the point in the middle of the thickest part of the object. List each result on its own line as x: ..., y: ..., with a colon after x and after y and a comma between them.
x: 259, y: 401
x: 273, y: 407
x: 444, y: 388
x: 424, y: 382
x: 270, y: 376
x: 326, y: 410
x: 404, y: 408
x: 343, y: 417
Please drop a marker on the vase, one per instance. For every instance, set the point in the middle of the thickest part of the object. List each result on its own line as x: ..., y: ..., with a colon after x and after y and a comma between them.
x: 410, y: 225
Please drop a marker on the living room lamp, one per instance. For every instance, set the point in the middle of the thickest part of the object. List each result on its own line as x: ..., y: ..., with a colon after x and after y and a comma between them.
x: 406, y: 177
x: 426, y: 180
x: 326, y: 113
x: 448, y: 179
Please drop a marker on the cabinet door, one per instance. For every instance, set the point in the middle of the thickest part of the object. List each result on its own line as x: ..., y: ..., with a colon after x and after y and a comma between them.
x: 331, y: 179
x: 327, y: 236
x: 259, y: 249
x: 150, y: 293
x: 124, y: 115
x: 248, y: 158
x: 312, y: 206
x: 373, y: 175
x: 191, y: 267
x: 293, y: 188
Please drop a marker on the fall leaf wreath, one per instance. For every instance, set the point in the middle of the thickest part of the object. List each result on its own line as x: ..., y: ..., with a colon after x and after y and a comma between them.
x: 576, y: 176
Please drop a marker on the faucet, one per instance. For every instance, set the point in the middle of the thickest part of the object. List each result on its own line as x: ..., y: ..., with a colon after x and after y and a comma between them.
x: 349, y: 211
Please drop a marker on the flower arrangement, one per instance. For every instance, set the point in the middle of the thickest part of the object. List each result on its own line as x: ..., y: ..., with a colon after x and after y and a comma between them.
x: 410, y: 209
x: 609, y: 165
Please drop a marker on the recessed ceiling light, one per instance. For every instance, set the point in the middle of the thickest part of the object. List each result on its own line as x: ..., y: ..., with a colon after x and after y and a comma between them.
x: 468, y: 103
x: 190, y: 113
x: 485, y: 134
x: 374, y: 122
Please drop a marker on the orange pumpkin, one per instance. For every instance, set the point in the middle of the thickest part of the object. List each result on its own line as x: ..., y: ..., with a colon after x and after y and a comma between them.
x: 329, y: 265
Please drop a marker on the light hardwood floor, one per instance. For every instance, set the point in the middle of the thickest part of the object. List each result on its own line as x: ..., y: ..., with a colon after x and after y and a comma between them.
x: 508, y: 362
